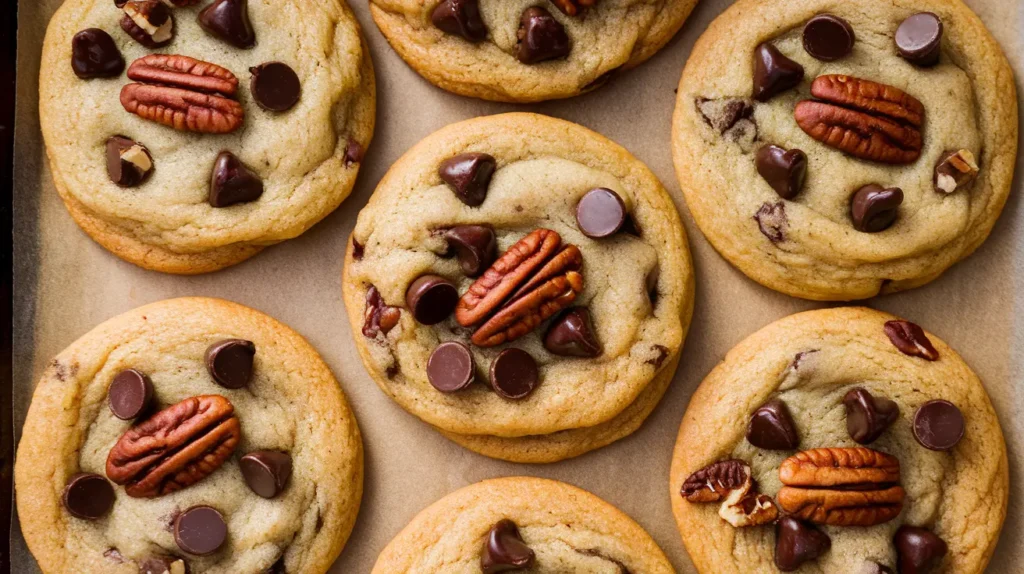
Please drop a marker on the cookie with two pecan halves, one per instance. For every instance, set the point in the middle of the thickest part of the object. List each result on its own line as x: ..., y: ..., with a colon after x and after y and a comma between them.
x: 522, y: 284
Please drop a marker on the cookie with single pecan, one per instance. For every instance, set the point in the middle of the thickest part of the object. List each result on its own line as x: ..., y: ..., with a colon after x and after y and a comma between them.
x: 845, y: 381
x: 204, y: 475
x: 184, y: 88
x: 840, y: 151
x: 522, y: 284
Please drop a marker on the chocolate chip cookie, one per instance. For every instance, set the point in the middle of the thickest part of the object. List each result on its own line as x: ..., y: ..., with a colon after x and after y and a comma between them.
x: 522, y: 284
x: 189, y: 435
x: 840, y: 440
x: 187, y: 135
x: 839, y: 151
x: 525, y: 50
x: 522, y: 524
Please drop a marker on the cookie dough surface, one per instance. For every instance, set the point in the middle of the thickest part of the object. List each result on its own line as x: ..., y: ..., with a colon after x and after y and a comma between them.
x: 569, y: 530
x: 544, y: 166
x: 960, y: 495
x: 610, y: 36
x: 293, y: 403
x: 166, y: 223
x: 970, y: 103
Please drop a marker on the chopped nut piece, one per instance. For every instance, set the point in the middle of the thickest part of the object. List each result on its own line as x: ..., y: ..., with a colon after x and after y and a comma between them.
x: 955, y: 170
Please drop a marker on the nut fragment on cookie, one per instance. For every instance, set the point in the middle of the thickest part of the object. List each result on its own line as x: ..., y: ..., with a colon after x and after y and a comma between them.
x: 730, y: 481
x: 149, y: 22
x: 128, y: 162
x: 955, y: 170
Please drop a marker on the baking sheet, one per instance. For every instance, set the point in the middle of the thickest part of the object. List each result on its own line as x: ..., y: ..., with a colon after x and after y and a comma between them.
x: 65, y: 284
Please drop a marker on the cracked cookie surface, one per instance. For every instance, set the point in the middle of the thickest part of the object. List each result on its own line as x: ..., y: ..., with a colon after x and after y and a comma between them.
x: 292, y: 403
x: 568, y: 529
x: 167, y: 223
x: 543, y: 167
x: 804, y: 242
x: 604, y: 38
x: 810, y: 361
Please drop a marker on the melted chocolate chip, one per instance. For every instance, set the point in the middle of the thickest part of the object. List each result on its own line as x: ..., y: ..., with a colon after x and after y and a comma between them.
x: 771, y: 220
x: 541, y: 37
x: 275, y: 86
x: 476, y: 246
x: 95, y: 55
x: 874, y: 208
x: 572, y: 335
x: 910, y: 339
x: 200, y: 530
x: 504, y: 549
x: 771, y: 427
x: 774, y: 73
x: 130, y: 394
x: 784, y: 170
x: 917, y: 550
x: 230, y: 362
x: 797, y: 543
x: 828, y: 38
x: 229, y: 21
x: 431, y: 298
x: 266, y: 471
x: 468, y: 175
x: 514, y: 374
x: 451, y: 367
x: 868, y: 416
x: 461, y: 18
x: 232, y: 182
x: 88, y: 496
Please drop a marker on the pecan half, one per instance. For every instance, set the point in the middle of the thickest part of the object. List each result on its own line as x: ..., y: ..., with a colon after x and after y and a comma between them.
x: 841, y: 486
x: 183, y: 93
x: 865, y: 119
x: 528, y: 284
x: 731, y: 482
x: 175, y: 448
x: 378, y: 317
x: 573, y: 7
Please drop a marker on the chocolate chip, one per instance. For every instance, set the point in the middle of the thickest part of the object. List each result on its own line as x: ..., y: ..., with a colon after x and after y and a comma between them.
x: 95, y: 55
x: 88, y: 496
x: 476, y: 246
x: 148, y: 22
x: 163, y: 565
x: 468, y: 175
x: 229, y: 21
x: 600, y: 213
x: 275, y: 86
x: 200, y: 530
x: 514, y: 374
x: 828, y: 38
x: 868, y: 416
x: 354, y: 152
x: 358, y: 250
x: 266, y: 471
x: 910, y: 339
x: 541, y: 37
x: 938, y: 425
x: 784, y: 170
x: 378, y: 317
x: 917, y: 550
x: 504, y: 549
x: 658, y: 359
x: 128, y: 162
x: 796, y: 543
x: 460, y: 17
x: 771, y: 427
x: 874, y: 208
x: 772, y: 221
x: 723, y: 114
x: 919, y: 39
x: 774, y: 73
x: 451, y: 367
x: 129, y: 394
x: 431, y: 298
x: 232, y: 182
x: 230, y: 362
x: 572, y: 335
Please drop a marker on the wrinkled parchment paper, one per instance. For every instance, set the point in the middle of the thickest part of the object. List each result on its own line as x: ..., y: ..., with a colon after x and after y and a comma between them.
x: 65, y: 284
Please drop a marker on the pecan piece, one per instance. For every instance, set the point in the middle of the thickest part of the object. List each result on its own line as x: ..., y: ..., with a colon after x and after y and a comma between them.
x: 378, y: 317
x: 175, y: 448
x: 573, y: 7
x: 183, y: 93
x: 841, y: 486
x: 731, y: 482
x: 865, y: 119
x: 955, y: 170
x: 148, y: 22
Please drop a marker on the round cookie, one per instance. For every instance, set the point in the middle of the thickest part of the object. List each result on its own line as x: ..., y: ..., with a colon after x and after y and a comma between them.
x: 804, y: 224
x: 297, y: 165
x: 636, y: 283
x: 522, y: 50
x: 555, y: 527
x: 291, y: 404
x: 814, y: 363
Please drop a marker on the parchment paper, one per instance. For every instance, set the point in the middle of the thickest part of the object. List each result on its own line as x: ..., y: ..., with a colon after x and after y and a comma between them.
x: 65, y: 284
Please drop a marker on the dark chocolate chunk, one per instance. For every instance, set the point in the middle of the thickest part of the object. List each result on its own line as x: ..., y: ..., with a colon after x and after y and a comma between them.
x: 919, y: 39
x: 451, y: 367
x: 541, y: 37
x: 128, y: 162
x: 784, y: 170
x: 476, y: 246
x: 229, y: 21
x: 771, y: 427
x: 572, y: 335
x: 828, y: 38
x: 95, y: 55
x: 130, y: 394
x: 460, y: 17
x: 938, y: 425
x: 917, y: 550
x: 600, y: 213
x: 868, y: 416
x: 275, y: 86
x: 797, y: 543
x: 266, y: 471
x: 431, y: 298
x: 230, y: 362
x: 771, y: 220
x: 774, y: 73
x: 468, y: 175
x: 874, y: 208
x: 514, y: 374
x: 200, y: 530
x: 88, y: 496
x: 232, y: 182
x: 504, y: 549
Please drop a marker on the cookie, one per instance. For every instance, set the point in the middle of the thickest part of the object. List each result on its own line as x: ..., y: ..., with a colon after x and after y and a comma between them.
x: 522, y: 284
x: 840, y: 440
x: 186, y: 137
x: 840, y: 151
x: 522, y: 523
x: 525, y: 51
x: 189, y: 433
